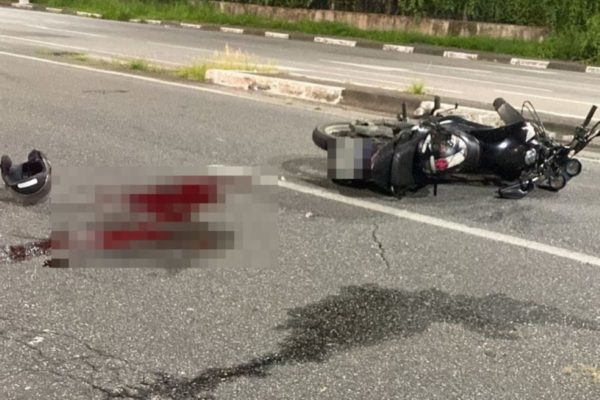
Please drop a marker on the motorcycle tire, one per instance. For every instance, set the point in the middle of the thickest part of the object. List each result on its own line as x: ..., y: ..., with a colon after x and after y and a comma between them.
x: 557, y: 183
x: 322, y: 134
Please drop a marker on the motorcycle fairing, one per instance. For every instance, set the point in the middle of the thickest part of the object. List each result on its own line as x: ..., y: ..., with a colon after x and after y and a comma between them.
x: 393, y: 165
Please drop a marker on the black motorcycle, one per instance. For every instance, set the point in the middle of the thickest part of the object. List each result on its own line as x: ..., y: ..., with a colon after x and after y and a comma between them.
x: 402, y: 155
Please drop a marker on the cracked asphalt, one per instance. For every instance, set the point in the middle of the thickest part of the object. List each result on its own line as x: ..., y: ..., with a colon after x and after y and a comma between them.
x: 360, y: 305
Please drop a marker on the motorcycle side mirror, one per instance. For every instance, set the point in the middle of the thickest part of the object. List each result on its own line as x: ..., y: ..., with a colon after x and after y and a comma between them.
x: 589, y: 117
x: 437, y: 104
x: 402, y: 116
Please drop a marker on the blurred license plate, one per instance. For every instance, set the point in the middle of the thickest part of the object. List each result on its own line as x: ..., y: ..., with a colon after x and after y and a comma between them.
x: 349, y: 158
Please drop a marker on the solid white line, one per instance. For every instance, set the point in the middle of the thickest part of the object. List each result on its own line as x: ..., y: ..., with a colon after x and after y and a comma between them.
x: 475, y: 71
x: 592, y: 160
x: 530, y: 71
x: 131, y: 76
x: 441, y: 223
x: 327, y: 74
x: 444, y: 90
x: 554, y: 99
x: 368, y: 66
x: 87, y: 49
x: 176, y: 46
x: 399, y: 213
x: 391, y: 69
x: 65, y: 30
x: 581, y: 117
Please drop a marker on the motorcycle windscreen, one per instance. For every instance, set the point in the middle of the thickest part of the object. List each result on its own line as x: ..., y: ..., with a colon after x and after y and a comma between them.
x: 349, y: 158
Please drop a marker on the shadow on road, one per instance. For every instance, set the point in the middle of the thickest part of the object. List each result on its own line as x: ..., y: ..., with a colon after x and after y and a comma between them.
x: 367, y: 315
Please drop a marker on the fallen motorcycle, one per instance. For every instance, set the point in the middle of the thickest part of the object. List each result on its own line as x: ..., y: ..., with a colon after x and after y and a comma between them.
x: 404, y: 155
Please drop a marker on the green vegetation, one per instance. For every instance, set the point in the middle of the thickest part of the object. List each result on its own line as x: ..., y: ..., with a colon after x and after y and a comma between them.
x: 139, y: 65
x: 229, y: 59
x: 416, y: 87
x: 549, y: 13
x: 576, y: 36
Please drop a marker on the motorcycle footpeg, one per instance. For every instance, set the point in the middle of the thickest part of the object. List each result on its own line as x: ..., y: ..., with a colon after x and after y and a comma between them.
x: 515, y: 191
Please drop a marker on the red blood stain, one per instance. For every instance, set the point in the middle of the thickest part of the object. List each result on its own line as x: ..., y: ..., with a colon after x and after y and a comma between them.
x: 177, y: 204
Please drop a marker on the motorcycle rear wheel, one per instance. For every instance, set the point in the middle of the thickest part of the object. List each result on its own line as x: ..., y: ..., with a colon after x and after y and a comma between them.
x: 322, y: 134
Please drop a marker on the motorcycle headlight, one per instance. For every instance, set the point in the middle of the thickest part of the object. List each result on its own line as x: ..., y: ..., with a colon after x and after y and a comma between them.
x: 530, y: 156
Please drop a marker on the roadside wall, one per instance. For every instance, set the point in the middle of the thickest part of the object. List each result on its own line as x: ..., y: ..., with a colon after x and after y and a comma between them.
x: 368, y: 21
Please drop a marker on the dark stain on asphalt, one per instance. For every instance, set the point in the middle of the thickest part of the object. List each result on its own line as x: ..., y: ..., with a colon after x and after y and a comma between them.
x: 100, y: 91
x: 22, y: 252
x: 363, y: 316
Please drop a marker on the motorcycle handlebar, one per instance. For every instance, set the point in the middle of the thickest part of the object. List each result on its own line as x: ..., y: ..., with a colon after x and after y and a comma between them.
x: 499, y: 102
x: 506, y: 112
x: 589, y: 117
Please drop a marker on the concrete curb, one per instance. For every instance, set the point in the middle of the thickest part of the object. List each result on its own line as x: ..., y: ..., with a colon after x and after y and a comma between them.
x: 329, y: 94
x: 346, y: 42
x: 376, y: 100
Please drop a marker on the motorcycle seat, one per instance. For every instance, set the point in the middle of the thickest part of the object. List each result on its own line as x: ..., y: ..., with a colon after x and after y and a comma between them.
x: 485, y: 133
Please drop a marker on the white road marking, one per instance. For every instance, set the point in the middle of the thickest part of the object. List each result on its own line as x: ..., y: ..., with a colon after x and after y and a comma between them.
x: 473, y: 70
x: 176, y: 46
x: 327, y: 75
x: 530, y: 71
x: 127, y: 56
x: 581, y: 117
x: 399, y: 213
x: 368, y: 66
x: 65, y: 30
x: 554, y: 99
x: 444, y: 90
x: 132, y: 76
x: 384, y: 68
x: 444, y: 224
x: 592, y: 160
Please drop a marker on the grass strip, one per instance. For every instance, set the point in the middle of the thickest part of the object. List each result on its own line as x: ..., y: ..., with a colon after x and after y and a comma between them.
x: 564, y: 46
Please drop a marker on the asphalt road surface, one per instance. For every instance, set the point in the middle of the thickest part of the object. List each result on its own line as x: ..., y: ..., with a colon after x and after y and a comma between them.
x: 558, y: 92
x: 362, y: 304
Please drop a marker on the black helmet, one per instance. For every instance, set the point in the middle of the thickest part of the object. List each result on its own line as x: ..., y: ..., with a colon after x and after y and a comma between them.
x: 29, y: 182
